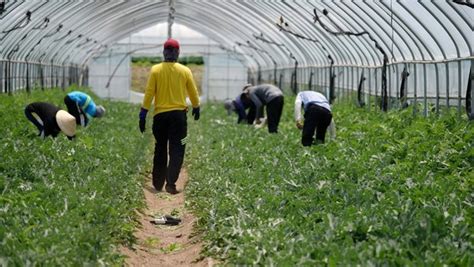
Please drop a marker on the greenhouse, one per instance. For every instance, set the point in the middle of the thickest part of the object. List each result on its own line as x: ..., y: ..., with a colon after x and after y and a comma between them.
x: 248, y: 133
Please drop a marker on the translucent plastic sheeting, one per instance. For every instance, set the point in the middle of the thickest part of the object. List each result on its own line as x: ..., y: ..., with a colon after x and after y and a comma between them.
x: 406, y: 30
x: 433, y: 39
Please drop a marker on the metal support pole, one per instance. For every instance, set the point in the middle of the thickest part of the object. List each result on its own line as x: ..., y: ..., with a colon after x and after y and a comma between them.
x: 8, y: 77
x: 41, y: 76
x: 359, y: 90
x: 376, y: 87
x: 425, y: 92
x: 437, y: 88
x: 370, y: 91
x: 227, y: 77
x: 353, y: 82
x: 459, y: 87
x: 471, y: 89
x: 63, y: 82
x: 447, y: 85
x: 275, y: 74
x: 170, y: 18
x: 389, y: 85
x: 28, y: 78
x: 415, y: 93
x: 280, y: 80
x: 397, y: 81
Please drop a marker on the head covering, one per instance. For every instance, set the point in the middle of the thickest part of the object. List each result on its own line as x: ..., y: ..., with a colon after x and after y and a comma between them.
x: 171, y: 43
x: 99, y: 111
x: 171, y: 50
x: 246, y: 87
x: 66, y: 122
x: 229, y: 106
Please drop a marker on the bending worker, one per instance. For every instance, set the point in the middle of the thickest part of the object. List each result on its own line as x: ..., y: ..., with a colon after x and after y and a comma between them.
x: 50, y: 120
x: 168, y: 84
x: 265, y: 95
x: 317, y: 117
x: 82, y: 107
x: 239, y: 107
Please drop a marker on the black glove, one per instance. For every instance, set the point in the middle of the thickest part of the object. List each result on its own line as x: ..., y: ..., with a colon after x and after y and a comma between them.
x: 195, y: 113
x: 141, y: 125
x: 142, y: 117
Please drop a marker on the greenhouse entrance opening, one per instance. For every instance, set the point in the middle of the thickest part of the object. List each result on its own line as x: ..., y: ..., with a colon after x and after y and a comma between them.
x: 121, y: 72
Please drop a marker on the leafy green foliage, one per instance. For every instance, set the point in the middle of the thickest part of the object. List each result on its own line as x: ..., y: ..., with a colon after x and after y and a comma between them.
x: 151, y: 242
x: 392, y: 189
x: 150, y: 61
x: 68, y: 202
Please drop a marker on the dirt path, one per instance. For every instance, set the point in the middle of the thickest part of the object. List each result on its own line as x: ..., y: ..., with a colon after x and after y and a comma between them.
x: 161, y: 245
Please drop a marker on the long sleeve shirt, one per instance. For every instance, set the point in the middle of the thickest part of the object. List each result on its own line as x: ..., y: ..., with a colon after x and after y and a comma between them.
x: 262, y: 95
x: 306, y: 98
x: 239, y: 109
x: 168, y: 84
x: 85, y: 103
x: 47, y: 114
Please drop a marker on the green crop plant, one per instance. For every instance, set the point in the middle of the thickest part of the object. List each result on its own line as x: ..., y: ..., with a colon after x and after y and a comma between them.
x: 151, y: 242
x: 69, y: 203
x: 392, y: 189
x: 173, y: 247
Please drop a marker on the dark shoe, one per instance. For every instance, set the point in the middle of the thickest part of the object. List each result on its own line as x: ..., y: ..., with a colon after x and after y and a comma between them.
x: 171, y: 189
x: 167, y: 220
x: 158, y: 183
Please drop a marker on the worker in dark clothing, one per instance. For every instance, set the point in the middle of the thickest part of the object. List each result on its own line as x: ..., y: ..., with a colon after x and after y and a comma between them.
x: 82, y: 107
x: 265, y: 95
x: 168, y: 84
x: 238, y: 106
x: 50, y: 120
x: 317, y: 117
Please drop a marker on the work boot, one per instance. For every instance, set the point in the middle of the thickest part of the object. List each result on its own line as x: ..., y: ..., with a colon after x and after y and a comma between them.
x: 171, y: 189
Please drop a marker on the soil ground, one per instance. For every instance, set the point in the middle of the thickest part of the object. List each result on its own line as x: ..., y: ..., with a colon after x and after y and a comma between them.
x: 162, y: 245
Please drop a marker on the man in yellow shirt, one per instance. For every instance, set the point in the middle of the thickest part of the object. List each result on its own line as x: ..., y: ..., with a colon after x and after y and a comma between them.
x: 168, y: 84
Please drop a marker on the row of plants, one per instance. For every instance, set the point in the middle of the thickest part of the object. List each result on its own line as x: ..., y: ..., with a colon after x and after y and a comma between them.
x: 392, y: 189
x: 68, y: 202
x: 144, y: 61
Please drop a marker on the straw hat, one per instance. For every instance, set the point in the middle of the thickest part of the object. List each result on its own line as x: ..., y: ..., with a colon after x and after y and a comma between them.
x: 66, y: 122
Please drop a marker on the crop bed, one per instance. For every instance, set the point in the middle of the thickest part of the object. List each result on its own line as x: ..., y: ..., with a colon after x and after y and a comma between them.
x: 392, y: 189
x: 68, y: 203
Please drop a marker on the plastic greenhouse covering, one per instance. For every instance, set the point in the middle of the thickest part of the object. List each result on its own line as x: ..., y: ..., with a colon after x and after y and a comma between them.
x: 392, y: 49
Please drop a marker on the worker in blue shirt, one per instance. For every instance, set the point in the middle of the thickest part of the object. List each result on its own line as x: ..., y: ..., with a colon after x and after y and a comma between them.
x: 82, y: 107
x: 239, y: 107
x: 317, y: 117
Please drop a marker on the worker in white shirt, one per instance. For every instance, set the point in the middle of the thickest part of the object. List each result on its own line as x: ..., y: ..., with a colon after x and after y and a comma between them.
x: 317, y: 117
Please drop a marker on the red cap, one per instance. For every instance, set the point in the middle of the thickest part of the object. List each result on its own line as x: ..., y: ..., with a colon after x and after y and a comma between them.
x: 171, y: 43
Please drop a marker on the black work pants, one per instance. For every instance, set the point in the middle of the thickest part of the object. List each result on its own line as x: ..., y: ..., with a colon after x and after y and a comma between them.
x: 74, y: 109
x: 170, y: 130
x: 30, y: 117
x: 315, y: 118
x: 274, y: 110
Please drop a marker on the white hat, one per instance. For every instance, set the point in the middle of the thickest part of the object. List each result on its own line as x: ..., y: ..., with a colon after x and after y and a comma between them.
x: 229, y: 106
x: 66, y: 122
